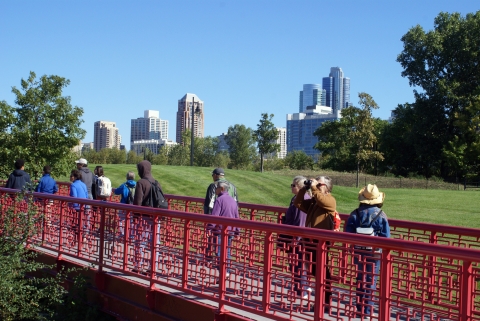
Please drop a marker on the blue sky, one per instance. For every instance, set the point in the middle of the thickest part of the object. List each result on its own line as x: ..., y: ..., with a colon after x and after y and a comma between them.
x: 242, y: 58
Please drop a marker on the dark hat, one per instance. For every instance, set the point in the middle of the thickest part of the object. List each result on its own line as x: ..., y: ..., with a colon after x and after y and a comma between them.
x: 218, y: 171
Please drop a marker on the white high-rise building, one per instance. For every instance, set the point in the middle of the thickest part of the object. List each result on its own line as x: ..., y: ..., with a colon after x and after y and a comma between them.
x: 149, y: 127
x: 282, y: 141
x: 106, y: 135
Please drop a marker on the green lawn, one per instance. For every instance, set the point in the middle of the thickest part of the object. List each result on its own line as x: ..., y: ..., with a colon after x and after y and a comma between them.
x: 447, y: 207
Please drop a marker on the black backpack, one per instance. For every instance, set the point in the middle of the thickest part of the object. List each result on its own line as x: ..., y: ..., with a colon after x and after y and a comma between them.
x: 156, y: 197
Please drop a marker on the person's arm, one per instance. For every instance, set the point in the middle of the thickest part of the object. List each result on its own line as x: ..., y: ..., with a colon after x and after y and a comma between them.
x: 300, y: 202
x: 55, y: 187
x: 323, y: 200
x: 384, y: 228
x: 350, y: 224
x: 139, y: 192
x: 210, y: 199
x: 119, y: 190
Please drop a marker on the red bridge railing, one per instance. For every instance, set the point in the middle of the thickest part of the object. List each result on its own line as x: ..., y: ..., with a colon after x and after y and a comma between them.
x: 173, y: 248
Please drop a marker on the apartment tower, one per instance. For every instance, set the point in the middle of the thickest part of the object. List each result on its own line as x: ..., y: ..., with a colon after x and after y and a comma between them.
x: 106, y: 135
x: 184, y: 116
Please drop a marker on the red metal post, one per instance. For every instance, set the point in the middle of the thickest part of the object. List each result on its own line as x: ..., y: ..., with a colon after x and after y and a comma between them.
x: 186, y: 250
x: 386, y: 285
x: 222, y: 273
x: 267, y: 268
x: 466, y: 297
x: 321, y: 281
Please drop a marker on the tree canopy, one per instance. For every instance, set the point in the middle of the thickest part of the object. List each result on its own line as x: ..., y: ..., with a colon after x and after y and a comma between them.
x: 266, y: 137
x: 444, y: 65
x: 42, y: 128
x: 241, y: 146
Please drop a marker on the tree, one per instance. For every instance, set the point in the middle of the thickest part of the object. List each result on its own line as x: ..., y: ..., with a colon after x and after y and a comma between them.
x: 241, y: 146
x: 42, y: 128
x: 299, y: 160
x: 266, y: 137
x: 353, y: 136
x: 445, y: 64
x: 205, y: 151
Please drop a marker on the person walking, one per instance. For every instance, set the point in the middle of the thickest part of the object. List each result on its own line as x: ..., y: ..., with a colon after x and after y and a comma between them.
x: 127, y: 192
x: 87, y: 177
x: 225, y: 206
x: 373, y: 220
x: 143, y: 225
x: 47, y: 184
x: 218, y: 174
x: 18, y: 179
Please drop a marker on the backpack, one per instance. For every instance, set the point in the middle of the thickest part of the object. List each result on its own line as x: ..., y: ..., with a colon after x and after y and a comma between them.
x: 104, y: 187
x: 131, y: 194
x: 156, y: 197
x: 366, y: 228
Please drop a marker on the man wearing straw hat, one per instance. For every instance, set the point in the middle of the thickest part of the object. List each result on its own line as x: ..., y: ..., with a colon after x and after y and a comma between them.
x: 368, y: 219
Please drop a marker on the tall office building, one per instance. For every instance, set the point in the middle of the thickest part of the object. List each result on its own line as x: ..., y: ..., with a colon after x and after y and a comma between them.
x: 106, y: 135
x: 149, y: 127
x: 311, y: 95
x: 282, y: 141
x: 337, y: 88
x: 301, y: 126
x: 184, y: 116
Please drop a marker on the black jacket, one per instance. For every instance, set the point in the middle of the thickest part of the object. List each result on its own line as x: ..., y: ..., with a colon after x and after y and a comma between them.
x: 17, y: 179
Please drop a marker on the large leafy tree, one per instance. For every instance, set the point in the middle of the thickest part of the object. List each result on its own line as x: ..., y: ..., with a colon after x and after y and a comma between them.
x: 241, y: 146
x: 351, y: 141
x: 298, y: 159
x: 445, y: 64
x: 205, y: 151
x: 266, y: 137
x: 42, y: 127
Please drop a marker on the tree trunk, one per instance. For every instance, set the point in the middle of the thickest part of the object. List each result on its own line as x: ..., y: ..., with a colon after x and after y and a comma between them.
x: 358, y: 170
x: 261, y: 162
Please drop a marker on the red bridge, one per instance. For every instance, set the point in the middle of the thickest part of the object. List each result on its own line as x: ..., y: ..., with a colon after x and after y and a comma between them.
x: 150, y: 264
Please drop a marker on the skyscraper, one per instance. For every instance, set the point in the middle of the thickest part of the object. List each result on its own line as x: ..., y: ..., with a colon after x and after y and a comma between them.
x: 337, y: 88
x: 149, y: 127
x: 184, y: 116
x: 282, y: 141
x: 311, y: 95
x: 301, y: 126
x: 105, y: 135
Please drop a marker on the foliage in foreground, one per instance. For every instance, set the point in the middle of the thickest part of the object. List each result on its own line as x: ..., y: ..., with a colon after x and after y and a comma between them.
x: 27, y: 290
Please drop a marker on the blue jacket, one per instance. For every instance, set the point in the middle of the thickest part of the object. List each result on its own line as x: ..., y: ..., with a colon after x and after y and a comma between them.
x: 78, y: 189
x: 47, y: 185
x: 17, y: 179
x: 366, y: 213
x: 123, y: 190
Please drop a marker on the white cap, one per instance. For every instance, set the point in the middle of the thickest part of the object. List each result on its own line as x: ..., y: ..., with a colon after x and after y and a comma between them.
x: 81, y: 161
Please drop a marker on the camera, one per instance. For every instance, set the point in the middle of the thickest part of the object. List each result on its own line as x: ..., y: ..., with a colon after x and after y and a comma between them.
x: 307, y: 183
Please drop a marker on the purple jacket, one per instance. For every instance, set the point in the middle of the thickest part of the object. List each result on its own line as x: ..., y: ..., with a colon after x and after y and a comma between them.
x: 295, y: 216
x: 225, y: 206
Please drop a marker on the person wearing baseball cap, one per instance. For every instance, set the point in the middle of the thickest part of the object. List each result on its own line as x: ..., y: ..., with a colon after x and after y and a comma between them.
x: 88, y: 178
x: 218, y: 174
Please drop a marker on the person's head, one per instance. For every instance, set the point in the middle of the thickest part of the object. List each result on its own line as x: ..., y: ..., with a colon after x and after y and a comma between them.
x: 19, y: 163
x: 144, y: 168
x: 99, y: 171
x: 221, y: 186
x: 82, y: 162
x: 297, y: 184
x: 217, y: 174
x: 325, y: 181
x: 371, y: 195
x: 130, y: 176
x: 75, y: 175
x: 47, y: 169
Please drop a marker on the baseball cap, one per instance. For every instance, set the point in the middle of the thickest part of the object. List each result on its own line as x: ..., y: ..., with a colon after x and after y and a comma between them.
x: 81, y: 161
x: 218, y: 171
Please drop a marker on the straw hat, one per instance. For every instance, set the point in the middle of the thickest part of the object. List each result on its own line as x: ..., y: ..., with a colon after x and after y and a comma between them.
x: 371, y: 195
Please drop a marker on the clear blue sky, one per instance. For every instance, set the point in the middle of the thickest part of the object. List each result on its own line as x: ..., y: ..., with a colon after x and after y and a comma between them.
x: 242, y: 58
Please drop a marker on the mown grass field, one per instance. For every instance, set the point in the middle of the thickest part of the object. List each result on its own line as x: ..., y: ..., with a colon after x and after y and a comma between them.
x: 449, y: 207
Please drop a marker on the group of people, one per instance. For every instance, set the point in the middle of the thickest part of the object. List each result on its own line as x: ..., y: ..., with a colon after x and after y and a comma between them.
x: 314, y: 206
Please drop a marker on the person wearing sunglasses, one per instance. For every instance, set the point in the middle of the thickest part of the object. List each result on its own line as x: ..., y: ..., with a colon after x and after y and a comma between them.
x: 291, y: 244
x: 320, y: 211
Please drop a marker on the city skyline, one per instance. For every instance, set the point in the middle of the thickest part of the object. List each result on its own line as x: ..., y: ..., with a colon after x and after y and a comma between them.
x: 241, y: 58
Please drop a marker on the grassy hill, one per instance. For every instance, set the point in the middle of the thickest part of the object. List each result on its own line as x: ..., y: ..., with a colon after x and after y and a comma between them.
x: 450, y: 207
